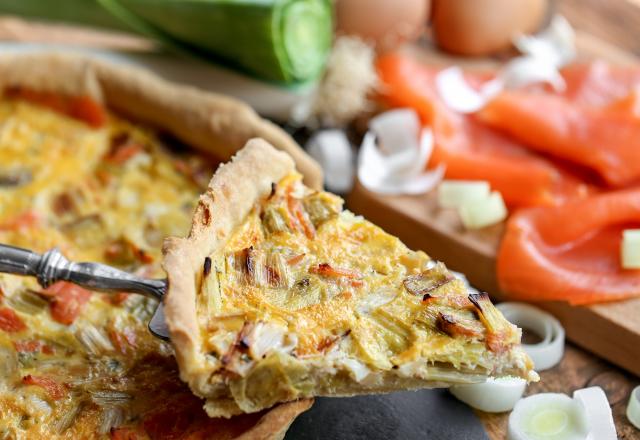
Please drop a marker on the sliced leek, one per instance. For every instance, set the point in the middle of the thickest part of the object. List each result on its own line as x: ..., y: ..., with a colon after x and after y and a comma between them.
x: 630, y: 249
x: 599, y: 412
x: 455, y: 193
x: 549, y: 351
x: 494, y: 395
x: 485, y: 212
x: 548, y: 416
x: 633, y: 408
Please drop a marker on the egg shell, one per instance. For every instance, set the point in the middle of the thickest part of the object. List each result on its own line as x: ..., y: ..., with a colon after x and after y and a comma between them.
x: 384, y: 23
x: 483, y: 27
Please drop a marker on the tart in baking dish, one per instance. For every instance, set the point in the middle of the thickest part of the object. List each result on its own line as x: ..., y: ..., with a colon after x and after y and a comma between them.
x: 75, y: 363
x: 278, y: 293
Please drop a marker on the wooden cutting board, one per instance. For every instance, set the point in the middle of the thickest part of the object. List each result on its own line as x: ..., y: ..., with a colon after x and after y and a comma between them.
x: 611, y: 330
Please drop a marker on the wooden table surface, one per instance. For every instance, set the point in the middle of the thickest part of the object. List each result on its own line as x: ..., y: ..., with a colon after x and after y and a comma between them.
x: 615, y: 21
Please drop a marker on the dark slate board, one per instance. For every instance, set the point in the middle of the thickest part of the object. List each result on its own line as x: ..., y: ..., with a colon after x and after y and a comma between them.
x: 426, y: 414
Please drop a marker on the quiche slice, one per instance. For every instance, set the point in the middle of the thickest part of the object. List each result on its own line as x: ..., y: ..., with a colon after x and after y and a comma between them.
x: 279, y: 294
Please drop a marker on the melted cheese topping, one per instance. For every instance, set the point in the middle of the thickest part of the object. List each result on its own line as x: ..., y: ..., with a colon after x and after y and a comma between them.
x: 305, y: 279
x: 75, y: 364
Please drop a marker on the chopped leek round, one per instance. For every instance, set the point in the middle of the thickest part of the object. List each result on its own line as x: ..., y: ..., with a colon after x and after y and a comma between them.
x: 633, y: 408
x: 494, y: 395
x: 455, y: 193
x: 477, y: 214
x: 630, y: 249
x: 548, y: 416
x: 549, y: 351
x: 599, y: 412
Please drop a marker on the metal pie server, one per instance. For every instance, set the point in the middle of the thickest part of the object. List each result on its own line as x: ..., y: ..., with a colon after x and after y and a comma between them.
x: 52, y: 266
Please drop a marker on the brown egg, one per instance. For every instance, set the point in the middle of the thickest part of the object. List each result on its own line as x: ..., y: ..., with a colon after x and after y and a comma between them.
x: 482, y: 27
x: 384, y: 23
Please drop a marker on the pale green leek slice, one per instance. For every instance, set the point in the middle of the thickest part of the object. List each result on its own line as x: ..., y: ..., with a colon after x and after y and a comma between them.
x: 548, y: 416
x: 455, y: 193
x: 630, y: 249
x: 480, y: 213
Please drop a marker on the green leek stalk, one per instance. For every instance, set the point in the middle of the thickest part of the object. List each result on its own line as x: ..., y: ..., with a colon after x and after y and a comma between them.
x: 279, y: 40
x: 283, y: 41
x: 85, y: 12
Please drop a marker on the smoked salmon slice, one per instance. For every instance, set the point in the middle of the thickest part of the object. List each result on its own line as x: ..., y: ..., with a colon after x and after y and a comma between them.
x: 606, y: 142
x: 570, y: 252
x: 598, y: 84
x: 469, y: 149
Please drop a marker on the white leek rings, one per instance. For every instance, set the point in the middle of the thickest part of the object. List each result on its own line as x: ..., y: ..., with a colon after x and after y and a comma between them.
x: 494, y: 395
x: 599, y: 413
x: 551, y: 416
x: 548, y: 352
x: 548, y: 416
x: 633, y: 409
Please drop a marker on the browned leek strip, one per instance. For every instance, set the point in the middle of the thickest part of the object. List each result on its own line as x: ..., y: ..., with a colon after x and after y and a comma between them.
x: 427, y: 281
x: 452, y: 327
x: 501, y: 334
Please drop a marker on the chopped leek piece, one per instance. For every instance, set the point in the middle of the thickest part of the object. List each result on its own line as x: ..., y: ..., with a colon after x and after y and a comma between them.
x: 494, y: 395
x: 595, y: 402
x: 548, y: 416
x: 455, y: 193
x: 484, y: 212
x: 630, y: 249
x: 633, y: 408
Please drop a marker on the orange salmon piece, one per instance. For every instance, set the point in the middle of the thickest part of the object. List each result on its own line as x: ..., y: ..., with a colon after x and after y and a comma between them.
x: 471, y: 150
x: 571, y: 252
x: 599, y: 84
x: 603, y: 141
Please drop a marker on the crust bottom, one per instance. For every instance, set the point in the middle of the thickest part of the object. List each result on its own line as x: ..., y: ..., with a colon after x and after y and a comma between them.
x: 273, y: 425
x: 228, y: 407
